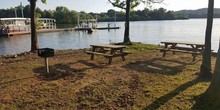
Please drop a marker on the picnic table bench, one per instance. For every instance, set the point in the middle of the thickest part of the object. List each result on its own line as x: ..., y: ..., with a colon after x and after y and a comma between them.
x: 109, y: 51
x: 186, y: 47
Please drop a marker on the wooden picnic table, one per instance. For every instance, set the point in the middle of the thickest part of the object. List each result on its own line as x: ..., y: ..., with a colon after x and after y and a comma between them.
x: 109, y: 51
x: 184, y: 47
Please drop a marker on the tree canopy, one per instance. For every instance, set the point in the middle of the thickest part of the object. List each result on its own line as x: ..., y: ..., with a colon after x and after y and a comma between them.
x: 61, y: 14
x: 127, y: 5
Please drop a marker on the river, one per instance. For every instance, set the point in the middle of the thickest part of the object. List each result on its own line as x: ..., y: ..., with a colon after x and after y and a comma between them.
x: 148, y: 32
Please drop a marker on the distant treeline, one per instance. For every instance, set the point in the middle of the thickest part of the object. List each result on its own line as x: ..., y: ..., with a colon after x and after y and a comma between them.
x: 64, y: 15
x: 142, y: 15
x: 199, y: 13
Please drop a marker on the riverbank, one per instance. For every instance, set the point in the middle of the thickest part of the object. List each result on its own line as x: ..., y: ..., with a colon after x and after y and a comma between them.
x: 144, y: 81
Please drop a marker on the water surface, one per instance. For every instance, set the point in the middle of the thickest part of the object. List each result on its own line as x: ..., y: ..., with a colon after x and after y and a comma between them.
x: 148, y: 32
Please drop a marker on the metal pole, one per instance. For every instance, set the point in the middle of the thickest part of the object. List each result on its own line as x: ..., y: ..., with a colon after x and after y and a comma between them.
x: 15, y: 13
x: 115, y: 19
x: 22, y: 13
x: 78, y: 20
x: 47, y: 66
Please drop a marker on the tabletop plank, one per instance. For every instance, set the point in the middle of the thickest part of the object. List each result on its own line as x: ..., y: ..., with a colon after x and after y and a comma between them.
x: 180, y: 42
x: 108, y: 46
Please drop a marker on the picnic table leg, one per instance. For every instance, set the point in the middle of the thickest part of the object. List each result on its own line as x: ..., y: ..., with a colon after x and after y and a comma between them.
x: 173, y: 46
x: 194, y: 57
x: 164, y: 52
x: 92, y: 55
x: 110, y: 60
x: 122, y: 55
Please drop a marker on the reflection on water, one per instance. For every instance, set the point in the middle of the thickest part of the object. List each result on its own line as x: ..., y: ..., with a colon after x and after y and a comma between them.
x: 150, y: 32
x: 13, y: 45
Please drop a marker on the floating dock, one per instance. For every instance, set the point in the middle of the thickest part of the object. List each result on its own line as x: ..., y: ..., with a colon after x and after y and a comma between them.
x: 100, y: 28
x: 58, y: 30
x: 107, y: 28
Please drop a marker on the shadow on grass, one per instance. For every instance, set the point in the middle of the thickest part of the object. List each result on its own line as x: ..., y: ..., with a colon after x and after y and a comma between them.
x: 163, y: 99
x: 58, y: 71
x: 15, y: 61
x: 159, y: 66
x: 15, y: 80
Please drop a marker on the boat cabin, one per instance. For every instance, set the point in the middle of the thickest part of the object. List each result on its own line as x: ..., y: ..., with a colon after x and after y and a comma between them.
x: 47, y: 23
x: 14, y: 24
x: 8, y: 25
x: 87, y: 23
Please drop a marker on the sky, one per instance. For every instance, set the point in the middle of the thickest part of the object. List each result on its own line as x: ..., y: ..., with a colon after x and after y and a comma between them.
x: 98, y: 6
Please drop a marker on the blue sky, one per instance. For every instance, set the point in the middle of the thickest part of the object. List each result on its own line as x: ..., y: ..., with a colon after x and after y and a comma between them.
x: 103, y: 5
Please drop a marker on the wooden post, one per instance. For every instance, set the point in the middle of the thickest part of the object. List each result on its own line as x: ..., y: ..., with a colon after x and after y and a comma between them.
x: 47, y: 66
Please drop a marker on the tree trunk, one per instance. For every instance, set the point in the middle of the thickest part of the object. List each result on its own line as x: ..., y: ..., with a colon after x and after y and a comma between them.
x: 214, y: 86
x: 205, y: 69
x: 211, y: 98
x: 127, y: 20
x: 34, y: 41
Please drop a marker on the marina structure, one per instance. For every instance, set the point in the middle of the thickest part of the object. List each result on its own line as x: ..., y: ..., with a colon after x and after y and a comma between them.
x: 90, y: 25
x: 18, y: 26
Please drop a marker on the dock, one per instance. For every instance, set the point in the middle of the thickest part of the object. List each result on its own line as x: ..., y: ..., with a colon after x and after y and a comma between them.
x: 107, y: 28
x: 98, y: 28
x: 39, y: 31
x: 57, y: 30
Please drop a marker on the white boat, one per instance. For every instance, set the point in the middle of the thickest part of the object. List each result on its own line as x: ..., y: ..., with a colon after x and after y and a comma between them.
x: 8, y: 25
x: 13, y: 25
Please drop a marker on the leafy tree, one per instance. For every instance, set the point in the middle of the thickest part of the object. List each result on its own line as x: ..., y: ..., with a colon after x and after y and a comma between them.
x: 205, y: 69
x: 61, y: 14
x: 27, y: 11
x: 127, y: 5
x: 39, y: 12
x: 64, y: 15
x: 111, y: 13
x: 34, y: 40
x: 48, y: 14
x: 170, y: 15
x: 73, y: 16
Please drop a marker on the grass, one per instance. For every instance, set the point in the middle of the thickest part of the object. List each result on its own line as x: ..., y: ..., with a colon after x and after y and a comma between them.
x: 144, y: 81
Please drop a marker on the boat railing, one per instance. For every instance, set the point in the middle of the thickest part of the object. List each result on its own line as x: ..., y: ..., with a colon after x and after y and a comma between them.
x: 13, y: 28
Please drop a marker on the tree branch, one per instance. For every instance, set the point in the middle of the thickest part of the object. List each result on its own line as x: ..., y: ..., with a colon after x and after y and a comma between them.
x: 121, y: 5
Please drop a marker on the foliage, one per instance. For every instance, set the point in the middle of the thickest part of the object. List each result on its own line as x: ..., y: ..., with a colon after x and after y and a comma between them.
x: 199, y: 13
x: 134, y: 3
x: 64, y: 15
x: 127, y: 5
